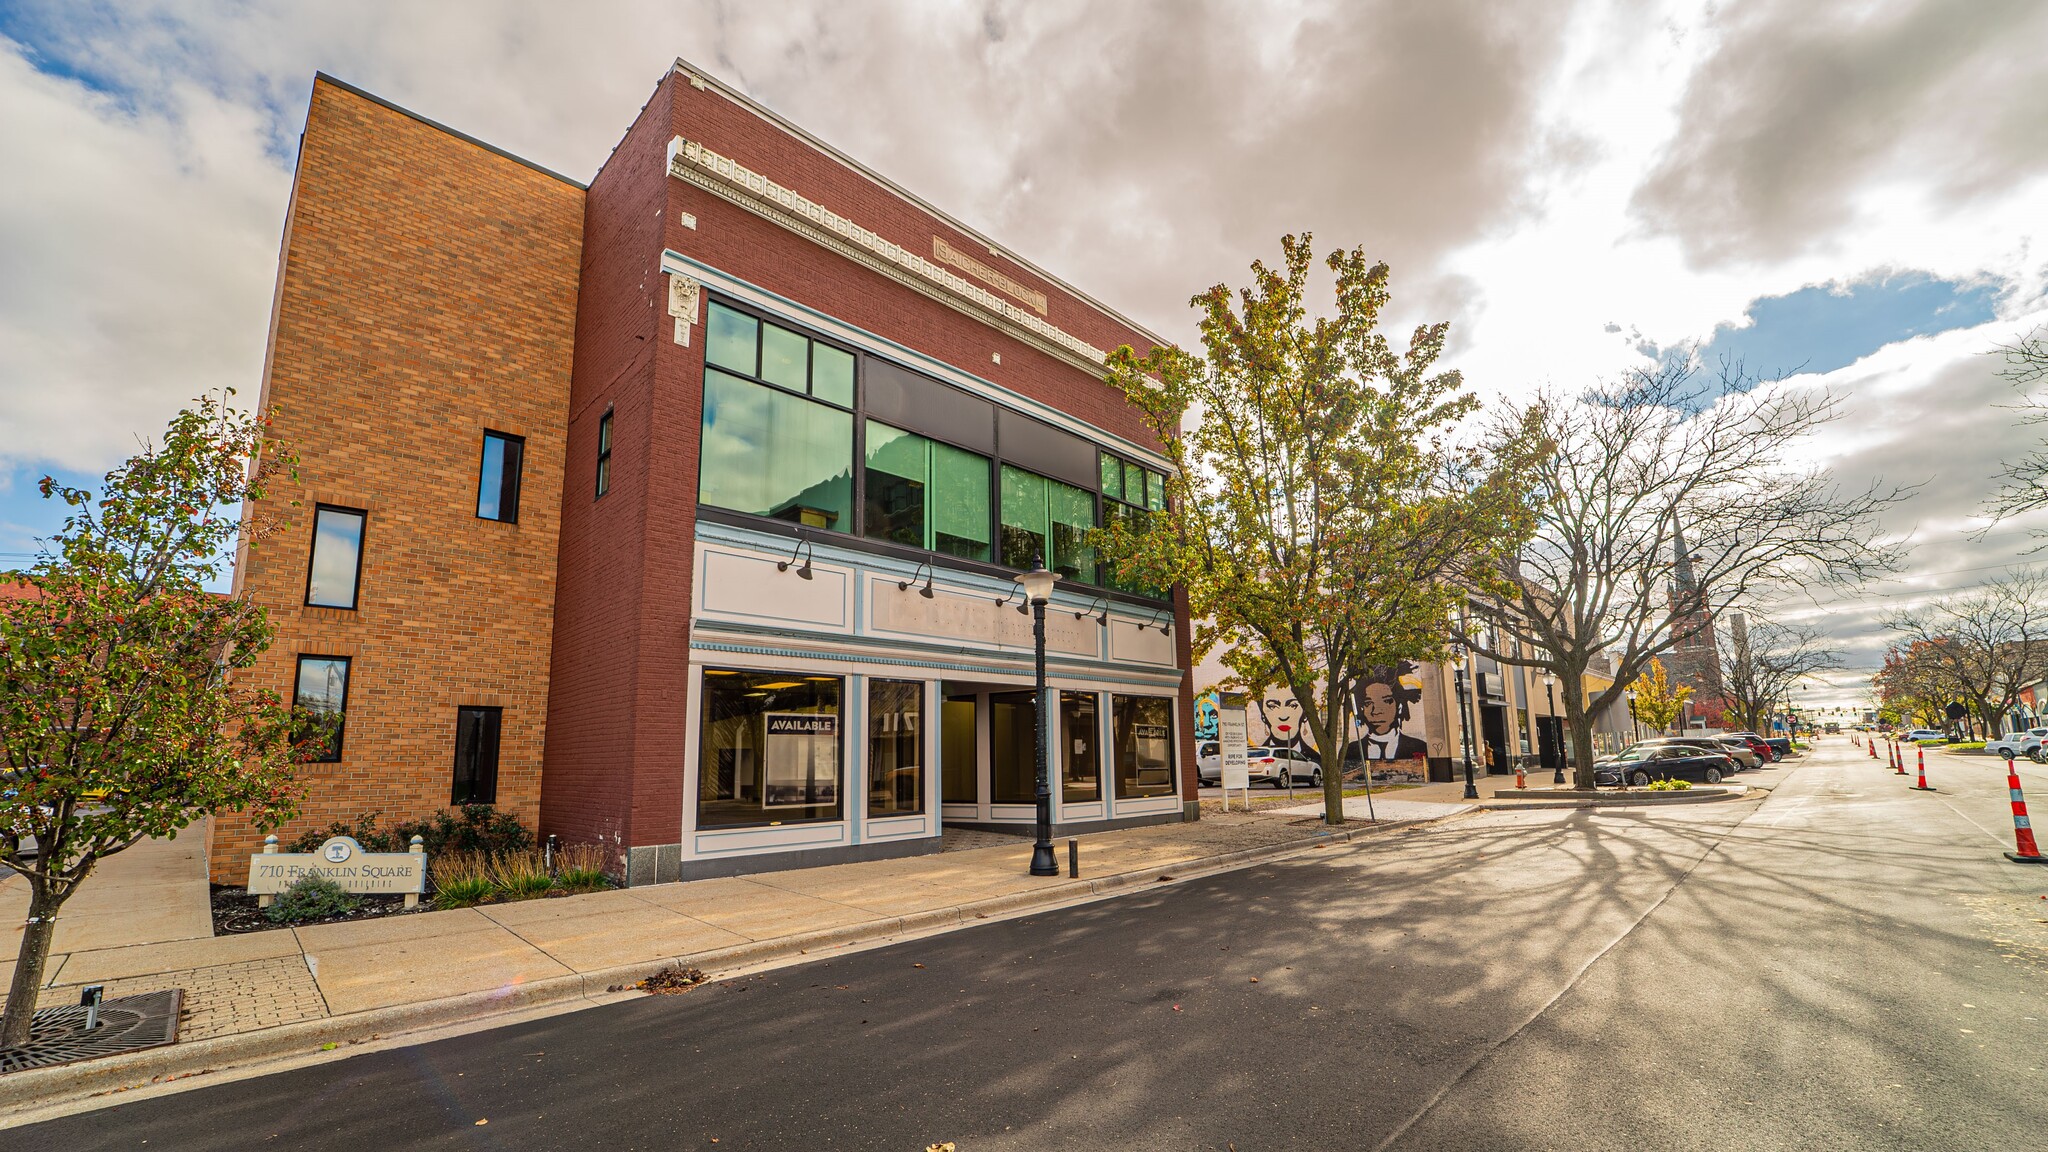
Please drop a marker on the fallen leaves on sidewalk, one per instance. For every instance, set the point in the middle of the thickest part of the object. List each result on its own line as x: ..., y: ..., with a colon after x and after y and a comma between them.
x: 667, y: 982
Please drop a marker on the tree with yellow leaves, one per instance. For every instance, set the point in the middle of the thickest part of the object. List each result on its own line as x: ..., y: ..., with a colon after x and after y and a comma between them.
x: 1657, y: 702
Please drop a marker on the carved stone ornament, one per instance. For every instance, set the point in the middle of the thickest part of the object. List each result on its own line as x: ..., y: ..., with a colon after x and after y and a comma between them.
x: 682, y: 304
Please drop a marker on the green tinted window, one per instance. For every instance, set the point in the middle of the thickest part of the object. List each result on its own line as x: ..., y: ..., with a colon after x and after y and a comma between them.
x: 731, y: 339
x: 832, y: 374
x: 959, y: 503
x: 1025, y: 523
x: 774, y: 454
x: 785, y: 358
x: 1073, y: 514
x: 1112, y: 478
x: 1155, y: 491
x: 1134, y: 483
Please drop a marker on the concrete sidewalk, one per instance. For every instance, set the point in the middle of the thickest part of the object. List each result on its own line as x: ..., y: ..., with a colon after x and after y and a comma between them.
x: 263, y: 995
x: 153, y: 893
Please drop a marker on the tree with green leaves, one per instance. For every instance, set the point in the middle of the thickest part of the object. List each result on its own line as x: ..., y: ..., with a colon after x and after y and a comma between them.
x: 1322, y: 517
x: 1658, y: 702
x: 121, y: 714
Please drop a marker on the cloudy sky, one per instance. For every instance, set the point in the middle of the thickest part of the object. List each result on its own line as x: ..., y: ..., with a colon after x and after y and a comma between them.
x: 1848, y: 189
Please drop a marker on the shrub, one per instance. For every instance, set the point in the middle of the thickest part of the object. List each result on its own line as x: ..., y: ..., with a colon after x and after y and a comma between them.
x: 519, y: 875
x: 1670, y: 785
x: 311, y: 897
x: 461, y: 879
x: 581, y: 867
x: 478, y: 828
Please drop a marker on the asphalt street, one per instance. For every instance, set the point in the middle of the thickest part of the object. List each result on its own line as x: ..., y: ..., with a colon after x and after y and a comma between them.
x: 1845, y: 964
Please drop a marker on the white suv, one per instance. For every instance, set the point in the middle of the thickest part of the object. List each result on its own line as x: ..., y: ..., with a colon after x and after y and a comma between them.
x: 2020, y: 743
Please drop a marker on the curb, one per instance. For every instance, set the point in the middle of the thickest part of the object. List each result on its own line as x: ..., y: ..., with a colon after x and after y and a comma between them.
x: 1715, y: 797
x: 44, y: 1087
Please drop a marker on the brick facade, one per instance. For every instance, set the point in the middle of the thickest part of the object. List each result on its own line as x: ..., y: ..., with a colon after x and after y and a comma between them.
x: 427, y: 291
x: 431, y: 288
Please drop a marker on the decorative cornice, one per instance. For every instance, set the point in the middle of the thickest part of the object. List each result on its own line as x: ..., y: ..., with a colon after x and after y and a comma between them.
x: 695, y: 164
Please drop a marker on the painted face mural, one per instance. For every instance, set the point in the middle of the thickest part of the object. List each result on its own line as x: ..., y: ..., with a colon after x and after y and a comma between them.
x: 1383, y: 700
x: 1205, y: 716
x: 1281, y: 713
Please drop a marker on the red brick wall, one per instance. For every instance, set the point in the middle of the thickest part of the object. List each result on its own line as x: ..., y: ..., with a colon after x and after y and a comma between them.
x: 604, y: 780
x: 427, y: 291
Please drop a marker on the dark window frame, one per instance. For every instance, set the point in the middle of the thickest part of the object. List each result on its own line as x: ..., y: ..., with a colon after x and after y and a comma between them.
x: 362, y: 546
x: 854, y: 536
x: 348, y: 675
x: 604, y: 454
x: 497, y: 716
x: 517, y: 471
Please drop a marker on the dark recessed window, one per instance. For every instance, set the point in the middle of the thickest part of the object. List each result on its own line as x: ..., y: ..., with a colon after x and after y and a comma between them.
x: 1141, y: 729
x: 895, y: 747
x: 1080, y: 748
x: 476, y: 755
x: 320, y: 695
x: 1048, y: 520
x: 337, y: 564
x: 769, y: 749
x: 497, y: 487
x: 1130, y: 494
x: 604, y: 454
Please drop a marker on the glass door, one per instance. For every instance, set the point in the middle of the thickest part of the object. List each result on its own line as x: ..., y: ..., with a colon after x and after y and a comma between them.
x: 959, y: 778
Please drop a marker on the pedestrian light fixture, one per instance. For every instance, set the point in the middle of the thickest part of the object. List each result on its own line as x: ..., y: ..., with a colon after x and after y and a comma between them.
x: 1465, y: 731
x: 1556, y: 730
x: 1634, y: 732
x: 1037, y: 588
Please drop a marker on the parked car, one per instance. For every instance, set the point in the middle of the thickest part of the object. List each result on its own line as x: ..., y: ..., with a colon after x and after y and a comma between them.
x: 1927, y: 736
x: 1639, y: 765
x: 1737, y: 750
x: 1208, y: 764
x: 2024, y: 742
x: 1781, y: 746
x: 1285, y: 767
x: 1757, y: 744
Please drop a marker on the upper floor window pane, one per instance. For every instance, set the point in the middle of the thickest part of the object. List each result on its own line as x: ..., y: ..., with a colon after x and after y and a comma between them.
x: 1155, y: 491
x: 785, y: 358
x: 604, y: 454
x: 497, y: 489
x: 926, y: 494
x: 1025, y: 520
x: 732, y: 339
x: 1073, y: 516
x: 771, y: 453
x: 337, y: 562
x: 1112, y: 477
x: 832, y: 374
x: 321, y: 691
x: 1045, y: 519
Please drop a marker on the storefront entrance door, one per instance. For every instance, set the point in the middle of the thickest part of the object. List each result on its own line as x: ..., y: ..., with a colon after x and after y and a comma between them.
x: 959, y: 775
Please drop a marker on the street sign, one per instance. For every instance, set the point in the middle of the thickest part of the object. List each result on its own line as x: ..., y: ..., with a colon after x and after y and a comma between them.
x: 1955, y: 711
x: 1231, y: 742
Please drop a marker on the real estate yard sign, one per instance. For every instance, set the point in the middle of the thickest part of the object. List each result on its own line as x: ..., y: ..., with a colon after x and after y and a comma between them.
x: 343, y: 861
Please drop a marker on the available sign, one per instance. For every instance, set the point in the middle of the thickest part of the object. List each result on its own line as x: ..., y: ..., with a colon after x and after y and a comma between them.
x: 343, y: 861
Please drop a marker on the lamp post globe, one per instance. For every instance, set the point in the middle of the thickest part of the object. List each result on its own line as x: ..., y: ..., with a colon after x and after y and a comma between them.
x: 1037, y: 585
x: 1556, y: 730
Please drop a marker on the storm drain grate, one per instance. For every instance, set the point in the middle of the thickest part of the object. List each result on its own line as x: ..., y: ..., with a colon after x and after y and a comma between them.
x: 127, y: 1024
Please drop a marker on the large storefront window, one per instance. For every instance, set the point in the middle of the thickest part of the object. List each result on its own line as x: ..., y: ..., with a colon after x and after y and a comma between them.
x: 1013, y: 747
x: 1142, y: 732
x: 1080, y: 748
x: 770, y: 749
x: 895, y: 747
x: 1037, y: 512
x: 926, y: 494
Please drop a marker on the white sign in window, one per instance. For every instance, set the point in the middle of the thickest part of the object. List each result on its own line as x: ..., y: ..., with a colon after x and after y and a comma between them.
x: 801, y: 760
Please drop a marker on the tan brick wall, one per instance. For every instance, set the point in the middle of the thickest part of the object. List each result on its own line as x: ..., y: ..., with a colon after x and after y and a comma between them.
x: 427, y: 291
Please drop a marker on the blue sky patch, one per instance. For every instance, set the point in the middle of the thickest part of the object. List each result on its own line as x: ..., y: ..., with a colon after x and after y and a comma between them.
x: 1823, y: 327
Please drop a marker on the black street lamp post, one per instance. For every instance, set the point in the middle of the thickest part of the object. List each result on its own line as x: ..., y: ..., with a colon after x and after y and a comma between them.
x: 1037, y: 585
x: 1556, y: 730
x: 1465, y: 731
x: 1635, y: 731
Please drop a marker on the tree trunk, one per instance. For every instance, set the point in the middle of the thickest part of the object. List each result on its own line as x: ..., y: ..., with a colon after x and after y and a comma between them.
x: 36, y: 936
x: 1582, y: 733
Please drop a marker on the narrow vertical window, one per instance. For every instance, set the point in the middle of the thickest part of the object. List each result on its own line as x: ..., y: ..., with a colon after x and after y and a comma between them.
x: 895, y: 747
x: 320, y: 696
x: 497, y: 486
x: 1080, y: 748
x: 337, y: 562
x: 604, y: 454
x: 476, y: 755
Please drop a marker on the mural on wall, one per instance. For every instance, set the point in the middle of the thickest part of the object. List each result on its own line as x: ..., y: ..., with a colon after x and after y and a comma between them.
x: 1387, y: 715
x: 1387, y: 701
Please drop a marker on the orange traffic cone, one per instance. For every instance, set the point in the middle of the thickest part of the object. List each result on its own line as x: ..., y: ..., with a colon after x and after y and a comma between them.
x: 1922, y: 785
x: 2022, y: 830
x: 1898, y: 759
x: 1872, y: 745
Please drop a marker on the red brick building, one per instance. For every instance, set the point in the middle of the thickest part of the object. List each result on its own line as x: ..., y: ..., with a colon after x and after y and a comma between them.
x: 678, y: 512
